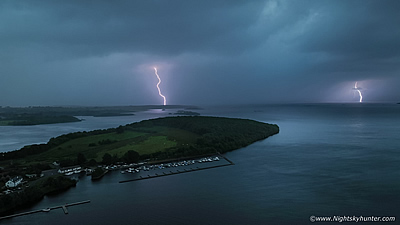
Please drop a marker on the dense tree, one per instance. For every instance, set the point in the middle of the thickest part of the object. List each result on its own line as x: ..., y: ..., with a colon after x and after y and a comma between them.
x: 80, y: 159
x: 67, y: 162
x: 120, y: 130
x: 34, y: 192
x: 107, y: 159
x: 92, y: 162
x: 106, y: 142
x: 98, y: 173
x: 131, y: 157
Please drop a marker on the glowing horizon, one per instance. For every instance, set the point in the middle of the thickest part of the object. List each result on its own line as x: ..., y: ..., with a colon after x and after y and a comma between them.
x: 158, y: 86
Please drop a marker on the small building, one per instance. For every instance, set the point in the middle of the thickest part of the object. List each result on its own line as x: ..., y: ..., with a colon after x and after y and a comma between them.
x: 14, y: 182
x: 31, y: 175
x: 69, y: 170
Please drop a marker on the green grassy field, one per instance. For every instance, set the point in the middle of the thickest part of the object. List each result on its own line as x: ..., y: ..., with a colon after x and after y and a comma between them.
x: 5, y: 122
x: 152, y: 144
x: 147, y: 141
x: 82, y: 145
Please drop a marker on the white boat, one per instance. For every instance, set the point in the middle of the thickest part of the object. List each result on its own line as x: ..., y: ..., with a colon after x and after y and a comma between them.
x: 131, y: 170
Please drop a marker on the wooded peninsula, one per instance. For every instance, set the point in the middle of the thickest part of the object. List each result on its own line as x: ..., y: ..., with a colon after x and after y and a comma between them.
x: 148, y: 140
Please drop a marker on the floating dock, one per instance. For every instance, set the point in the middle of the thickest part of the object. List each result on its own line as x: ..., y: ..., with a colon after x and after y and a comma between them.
x: 191, y: 169
x: 64, y: 207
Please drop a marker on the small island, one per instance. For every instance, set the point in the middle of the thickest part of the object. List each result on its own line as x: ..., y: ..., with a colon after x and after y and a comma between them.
x: 145, y: 141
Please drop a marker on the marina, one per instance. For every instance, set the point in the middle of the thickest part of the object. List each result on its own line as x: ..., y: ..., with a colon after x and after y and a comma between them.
x: 168, y: 165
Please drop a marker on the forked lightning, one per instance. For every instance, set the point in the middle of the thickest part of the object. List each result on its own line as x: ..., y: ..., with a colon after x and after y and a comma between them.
x: 158, y: 86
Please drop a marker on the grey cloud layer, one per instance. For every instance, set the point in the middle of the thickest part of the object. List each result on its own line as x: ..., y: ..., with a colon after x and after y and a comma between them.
x: 97, y: 52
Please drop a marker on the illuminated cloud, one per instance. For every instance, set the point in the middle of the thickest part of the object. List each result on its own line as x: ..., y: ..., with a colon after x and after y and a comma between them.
x: 221, y: 51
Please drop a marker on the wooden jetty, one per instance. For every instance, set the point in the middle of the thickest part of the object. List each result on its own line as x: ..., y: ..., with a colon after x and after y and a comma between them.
x: 227, y: 159
x: 64, y: 207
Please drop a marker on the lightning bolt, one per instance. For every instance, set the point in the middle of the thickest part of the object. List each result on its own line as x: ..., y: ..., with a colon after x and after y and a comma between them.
x: 358, y: 90
x: 158, y: 86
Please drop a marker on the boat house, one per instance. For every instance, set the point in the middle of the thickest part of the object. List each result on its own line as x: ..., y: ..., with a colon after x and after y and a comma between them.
x: 70, y: 170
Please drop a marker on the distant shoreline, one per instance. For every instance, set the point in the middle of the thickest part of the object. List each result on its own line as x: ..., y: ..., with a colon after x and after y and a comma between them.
x: 28, y: 116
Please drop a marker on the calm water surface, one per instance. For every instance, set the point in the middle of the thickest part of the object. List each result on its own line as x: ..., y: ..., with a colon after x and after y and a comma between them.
x: 327, y: 160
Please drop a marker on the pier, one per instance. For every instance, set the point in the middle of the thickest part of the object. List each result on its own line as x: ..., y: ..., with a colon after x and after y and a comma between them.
x: 64, y: 207
x: 191, y: 169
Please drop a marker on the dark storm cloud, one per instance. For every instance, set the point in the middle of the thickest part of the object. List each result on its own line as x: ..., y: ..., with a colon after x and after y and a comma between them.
x: 102, y: 52
x: 366, y: 29
x: 360, y: 36
x: 160, y: 27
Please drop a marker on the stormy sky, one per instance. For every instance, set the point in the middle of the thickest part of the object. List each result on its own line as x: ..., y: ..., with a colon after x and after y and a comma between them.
x: 207, y: 52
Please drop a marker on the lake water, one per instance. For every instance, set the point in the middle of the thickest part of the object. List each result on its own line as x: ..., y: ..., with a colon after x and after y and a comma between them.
x: 327, y: 160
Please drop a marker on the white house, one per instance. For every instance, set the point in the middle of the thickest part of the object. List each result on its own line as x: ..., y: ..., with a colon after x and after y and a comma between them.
x: 14, y: 182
